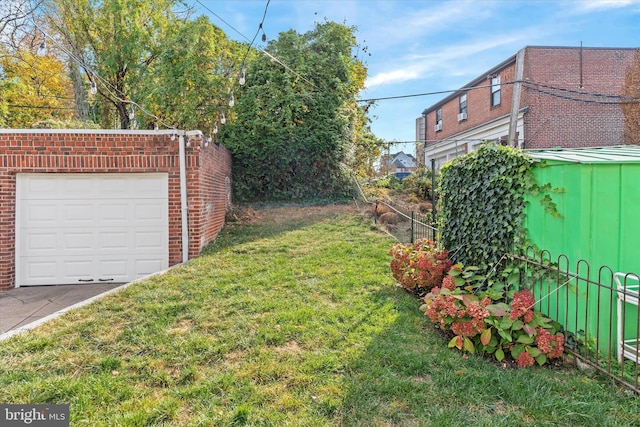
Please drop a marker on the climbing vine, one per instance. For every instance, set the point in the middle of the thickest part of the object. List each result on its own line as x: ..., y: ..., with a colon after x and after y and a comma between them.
x: 482, y: 202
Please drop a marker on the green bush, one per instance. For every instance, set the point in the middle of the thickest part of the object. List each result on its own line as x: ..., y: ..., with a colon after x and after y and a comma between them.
x: 389, y: 181
x: 419, y: 183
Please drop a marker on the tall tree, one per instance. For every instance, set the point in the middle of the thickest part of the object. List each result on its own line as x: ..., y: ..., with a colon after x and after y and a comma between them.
x: 191, y: 81
x: 116, y: 41
x: 296, y: 117
x: 33, y: 88
x: 14, y: 17
x: 631, y: 109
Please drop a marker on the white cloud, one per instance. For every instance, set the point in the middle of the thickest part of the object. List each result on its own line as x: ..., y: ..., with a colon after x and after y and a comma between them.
x: 586, y: 6
x: 445, y: 61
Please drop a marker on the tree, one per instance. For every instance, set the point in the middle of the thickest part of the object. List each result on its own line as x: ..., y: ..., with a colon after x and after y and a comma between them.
x: 366, y: 148
x: 631, y: 110
x: 190, y: 82
x: 14, y: 16
x: 296, y: 117
x: 116, y: 41
x: 33, y: 88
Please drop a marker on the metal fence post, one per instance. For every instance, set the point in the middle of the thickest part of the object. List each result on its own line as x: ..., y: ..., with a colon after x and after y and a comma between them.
x: 412, y: 228
x: 375, y: 213
x: 434, y: 212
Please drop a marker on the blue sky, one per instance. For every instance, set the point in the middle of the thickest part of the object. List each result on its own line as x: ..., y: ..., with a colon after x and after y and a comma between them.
x: 428, y: 45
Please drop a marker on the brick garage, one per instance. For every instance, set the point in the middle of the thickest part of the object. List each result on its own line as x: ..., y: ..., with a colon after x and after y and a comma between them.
x: 127, y: 153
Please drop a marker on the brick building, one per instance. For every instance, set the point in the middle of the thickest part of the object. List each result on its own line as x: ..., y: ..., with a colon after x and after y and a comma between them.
x: 83, y: 206
x: 541, y: 97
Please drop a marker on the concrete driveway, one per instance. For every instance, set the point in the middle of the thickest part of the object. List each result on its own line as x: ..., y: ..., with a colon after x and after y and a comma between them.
x: 26, y: 307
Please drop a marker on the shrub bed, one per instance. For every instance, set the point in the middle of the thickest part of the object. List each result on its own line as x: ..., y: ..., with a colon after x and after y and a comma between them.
x: 489, y: 320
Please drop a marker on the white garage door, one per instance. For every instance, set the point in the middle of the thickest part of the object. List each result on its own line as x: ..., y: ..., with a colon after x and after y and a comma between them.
x: 90, y: 228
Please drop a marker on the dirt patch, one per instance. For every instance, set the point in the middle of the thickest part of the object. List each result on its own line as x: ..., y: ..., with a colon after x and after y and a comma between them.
x: 280, y: 214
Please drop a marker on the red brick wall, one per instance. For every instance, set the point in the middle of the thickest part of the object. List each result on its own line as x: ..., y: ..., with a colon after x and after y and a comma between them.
x: 124, y: 152
x: 479, y: 109
x: 584, y: 120
x: 551, y: 120
x: 209, y: 195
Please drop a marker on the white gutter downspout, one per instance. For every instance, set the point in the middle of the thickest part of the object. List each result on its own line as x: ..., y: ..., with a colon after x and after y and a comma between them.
x: 183, y: 200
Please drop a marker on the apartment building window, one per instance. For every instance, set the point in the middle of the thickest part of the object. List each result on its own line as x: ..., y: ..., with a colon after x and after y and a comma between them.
x: 438, y: 126
x: 495, y: 91
x: 462, y: 111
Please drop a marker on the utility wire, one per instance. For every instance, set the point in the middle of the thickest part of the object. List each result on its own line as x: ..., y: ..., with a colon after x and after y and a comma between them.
x: 264, y: 51
x: 530, y: 85
x: 260, y: 27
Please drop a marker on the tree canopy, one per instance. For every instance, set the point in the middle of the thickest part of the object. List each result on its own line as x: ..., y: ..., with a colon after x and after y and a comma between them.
x: 297, y: 117
x: 296, y: 131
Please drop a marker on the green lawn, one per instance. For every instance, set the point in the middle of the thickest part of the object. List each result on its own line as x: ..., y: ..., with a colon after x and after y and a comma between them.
x: 280, y: 323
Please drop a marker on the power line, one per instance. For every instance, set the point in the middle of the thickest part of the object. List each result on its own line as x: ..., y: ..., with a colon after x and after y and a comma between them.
x: 530, y: 85
x: 220, y: 18
x: 622, y: 100
x: 439, y: 92
x: 264, y: 51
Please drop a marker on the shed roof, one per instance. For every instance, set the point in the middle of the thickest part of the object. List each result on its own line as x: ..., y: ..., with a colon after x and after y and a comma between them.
x: 612, y: 154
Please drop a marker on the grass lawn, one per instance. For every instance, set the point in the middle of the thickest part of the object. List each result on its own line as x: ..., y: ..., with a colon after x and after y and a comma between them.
x: 291, y: 320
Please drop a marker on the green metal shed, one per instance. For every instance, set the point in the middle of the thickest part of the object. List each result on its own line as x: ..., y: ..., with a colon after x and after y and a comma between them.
x: 600, y: 206
x: 599, y: 226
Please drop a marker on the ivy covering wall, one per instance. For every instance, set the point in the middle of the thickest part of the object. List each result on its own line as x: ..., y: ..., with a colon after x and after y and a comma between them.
x: 482, y: 203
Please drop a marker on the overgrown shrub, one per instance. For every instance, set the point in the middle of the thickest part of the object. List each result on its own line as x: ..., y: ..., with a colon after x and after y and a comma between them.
x: 419, y: 183
x: 389, y: 181
x: 420, y: 266
x: 482, y: 322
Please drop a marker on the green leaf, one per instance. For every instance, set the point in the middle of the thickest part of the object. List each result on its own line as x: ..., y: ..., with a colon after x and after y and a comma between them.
x: 499, y: 354
x: 534, y: 351
x: 468, y: 345
x: 517, y: 325
x: 516, y: 350
x: 529, y: 329
x: 506, y: 323
x: 541, y: 359
x: 525, y: 339
x: 507, y: 336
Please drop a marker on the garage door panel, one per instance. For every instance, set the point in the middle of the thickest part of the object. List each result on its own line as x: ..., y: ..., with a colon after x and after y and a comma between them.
x: 78, y: 269
x: 115, y: 270
x: 120, y: 241
x: 39, y: 213
x: 78, y: 185
x: 76, y: 241
x: 44, y: 271
x: 109, y: 227
x: 114, y: 214
x: 39, y: 187
x: 145, y: 240
x: 38, y: 242
x: 78, y: 214
x: 115, y: 187
x: 149, y: 213
x: 148, y: 266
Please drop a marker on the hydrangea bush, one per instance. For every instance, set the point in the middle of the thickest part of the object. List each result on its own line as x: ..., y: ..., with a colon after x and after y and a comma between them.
x: 419, y: 267
x: 482, y: 322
